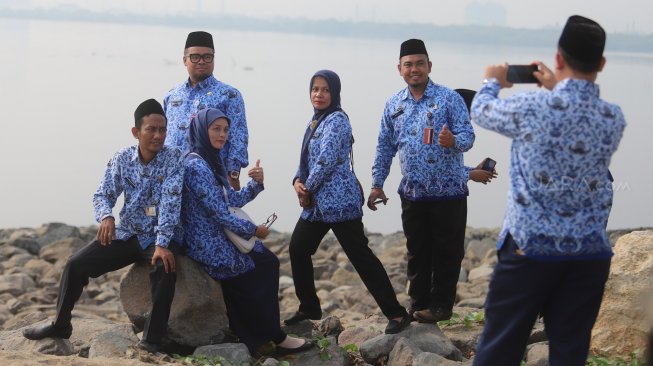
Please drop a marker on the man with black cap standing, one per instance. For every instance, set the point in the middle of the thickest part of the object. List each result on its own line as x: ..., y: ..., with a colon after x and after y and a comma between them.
x: 428, y: 124
x: 150, y: 175
x: 202, y: 90
x: 554, y: 252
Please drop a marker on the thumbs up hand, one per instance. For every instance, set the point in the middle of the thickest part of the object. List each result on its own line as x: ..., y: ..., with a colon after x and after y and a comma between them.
x: 256, y: 172
x: 446, y: 138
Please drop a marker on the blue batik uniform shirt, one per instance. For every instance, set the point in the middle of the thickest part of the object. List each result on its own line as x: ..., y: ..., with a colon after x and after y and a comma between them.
x: 205, y: 215
x: 157, y: 184
x: 331, y: 180
x: 184, y: 101
x: 430, y: 171
x: 560, y: 192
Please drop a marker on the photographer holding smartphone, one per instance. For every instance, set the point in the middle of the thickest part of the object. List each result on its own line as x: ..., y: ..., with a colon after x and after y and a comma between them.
x: 554, y: 252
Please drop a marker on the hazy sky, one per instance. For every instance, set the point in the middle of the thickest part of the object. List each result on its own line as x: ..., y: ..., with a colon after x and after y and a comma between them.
x: 615, y: 16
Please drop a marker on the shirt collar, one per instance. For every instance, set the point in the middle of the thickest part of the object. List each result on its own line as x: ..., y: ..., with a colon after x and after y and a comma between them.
x: 135, y: 156
x: 211, y: 80
x: 430, y: 91
x: 578, y: 86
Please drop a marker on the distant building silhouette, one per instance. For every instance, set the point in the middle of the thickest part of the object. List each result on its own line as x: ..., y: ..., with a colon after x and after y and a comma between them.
x: 492, y: 14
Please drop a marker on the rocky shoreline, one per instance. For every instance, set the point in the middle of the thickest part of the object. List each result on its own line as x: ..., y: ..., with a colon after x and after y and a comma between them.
x: 349, y: 334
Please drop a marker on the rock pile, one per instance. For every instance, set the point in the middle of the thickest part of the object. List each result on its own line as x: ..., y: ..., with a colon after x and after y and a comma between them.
x: 110, y: 313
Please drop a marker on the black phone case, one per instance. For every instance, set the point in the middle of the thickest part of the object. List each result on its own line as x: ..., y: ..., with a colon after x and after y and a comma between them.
x: 522, y: 74
x: 489, y: 164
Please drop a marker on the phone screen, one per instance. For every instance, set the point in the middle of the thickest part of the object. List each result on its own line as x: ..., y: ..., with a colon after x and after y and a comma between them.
x: 522, y: 74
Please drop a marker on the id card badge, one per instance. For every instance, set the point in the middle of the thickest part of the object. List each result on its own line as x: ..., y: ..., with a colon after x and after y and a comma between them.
x: 428, y: 135
x: 150, y: 211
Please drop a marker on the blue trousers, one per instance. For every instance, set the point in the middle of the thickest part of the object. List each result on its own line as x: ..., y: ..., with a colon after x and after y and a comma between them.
x: 567, y: 293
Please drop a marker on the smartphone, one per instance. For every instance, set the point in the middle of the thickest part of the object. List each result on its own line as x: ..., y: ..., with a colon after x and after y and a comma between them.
x: 489, y: 164
x: 521, y: 74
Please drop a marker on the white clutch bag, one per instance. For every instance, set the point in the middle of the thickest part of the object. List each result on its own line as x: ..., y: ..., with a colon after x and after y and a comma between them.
x: 244, y: 245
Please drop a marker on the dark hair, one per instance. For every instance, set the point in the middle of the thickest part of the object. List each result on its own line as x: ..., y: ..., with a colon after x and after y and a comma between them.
x: 139, y: 122
x: 578, y: 65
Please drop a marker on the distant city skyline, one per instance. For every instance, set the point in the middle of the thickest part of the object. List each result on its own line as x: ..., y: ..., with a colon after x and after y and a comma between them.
x: 626, y: 16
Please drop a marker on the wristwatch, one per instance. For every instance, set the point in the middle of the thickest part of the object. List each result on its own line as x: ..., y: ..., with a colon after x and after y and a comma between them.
x: 234, y: 174
x: 490, y: 80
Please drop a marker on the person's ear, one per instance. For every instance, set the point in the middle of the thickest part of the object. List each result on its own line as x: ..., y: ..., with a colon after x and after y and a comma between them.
x: 560, y: 61
x: 602, y: 64
x: 135, y: 132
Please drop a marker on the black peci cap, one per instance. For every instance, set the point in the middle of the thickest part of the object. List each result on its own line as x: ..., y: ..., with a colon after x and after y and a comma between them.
x: 584, y: 40
x: 199, y: 39
x: 148, y: 107
x: 412, y: 47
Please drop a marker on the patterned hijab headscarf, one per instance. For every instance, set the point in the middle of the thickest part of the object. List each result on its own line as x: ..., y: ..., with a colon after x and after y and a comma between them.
x: 333, y: 81
x: 201, y: 145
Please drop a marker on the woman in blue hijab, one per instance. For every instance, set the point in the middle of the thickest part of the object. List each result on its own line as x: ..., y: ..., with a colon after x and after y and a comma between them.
x: 332, y: 199
x: 250, y: 281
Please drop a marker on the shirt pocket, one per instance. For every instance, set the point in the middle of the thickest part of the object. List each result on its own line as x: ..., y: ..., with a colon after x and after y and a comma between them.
x: 176, y: 102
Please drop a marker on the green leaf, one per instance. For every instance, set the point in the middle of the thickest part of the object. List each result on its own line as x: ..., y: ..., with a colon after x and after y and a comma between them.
x: 351, y: 347
x: 325, y: 356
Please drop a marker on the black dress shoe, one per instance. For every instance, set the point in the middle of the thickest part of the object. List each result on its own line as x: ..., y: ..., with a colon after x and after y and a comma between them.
x: 283, y: 351
x: 432, y: 315
x: 149, y: 346
x: 395, y: 326
x: 47, y: 330
x: 299, y: 316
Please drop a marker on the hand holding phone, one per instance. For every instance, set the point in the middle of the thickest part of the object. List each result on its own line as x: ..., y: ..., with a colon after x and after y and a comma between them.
x: 488, y: 165
x: 522, y: 74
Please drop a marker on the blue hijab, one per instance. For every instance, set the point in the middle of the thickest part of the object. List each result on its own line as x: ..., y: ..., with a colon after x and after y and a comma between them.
x: 201, y: 145
x: 333, y: 81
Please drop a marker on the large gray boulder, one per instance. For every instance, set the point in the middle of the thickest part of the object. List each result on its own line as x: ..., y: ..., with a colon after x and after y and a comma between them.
x: 113, y: 342
x: 198, y: 316
x: 234, y: 353
x: 14, y: 340
x: 55, y: 231
x: 327, y: 353
x: 431, y: 359
x: 626, y: 313
x: 426, y: 337
x: 403, y: 353
x: 537, y: 354
x: 359, y: 332
x: 60, y: 250
x: 16, y: 284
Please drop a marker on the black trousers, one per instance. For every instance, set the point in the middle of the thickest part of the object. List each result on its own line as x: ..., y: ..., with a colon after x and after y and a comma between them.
x: 95, y: 259
x: 567, y: 293
x: 304, y: 242
x: 435, y: 240
x: 252, y: 301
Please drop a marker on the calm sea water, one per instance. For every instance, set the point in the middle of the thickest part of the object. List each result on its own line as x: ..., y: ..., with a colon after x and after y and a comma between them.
x: 68, y: 91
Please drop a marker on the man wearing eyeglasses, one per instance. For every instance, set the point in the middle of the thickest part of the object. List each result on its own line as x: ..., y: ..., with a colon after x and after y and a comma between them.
x: 202, y: 90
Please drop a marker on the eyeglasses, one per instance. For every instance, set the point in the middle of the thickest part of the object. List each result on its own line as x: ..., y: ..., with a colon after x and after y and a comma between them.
x: 196, y: 57
x: 271, y: 219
